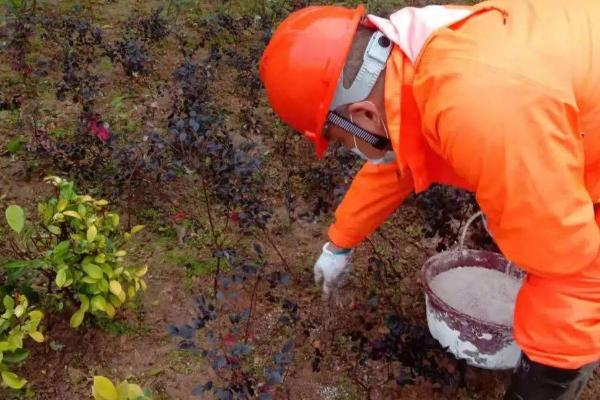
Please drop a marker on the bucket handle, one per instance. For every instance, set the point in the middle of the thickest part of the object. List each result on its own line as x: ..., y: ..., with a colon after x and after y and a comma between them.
x: 463, y: 235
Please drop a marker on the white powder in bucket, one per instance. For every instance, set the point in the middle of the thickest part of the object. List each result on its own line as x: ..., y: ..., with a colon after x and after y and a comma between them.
x: 486, y: 294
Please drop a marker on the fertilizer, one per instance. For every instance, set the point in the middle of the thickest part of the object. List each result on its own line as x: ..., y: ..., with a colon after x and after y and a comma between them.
x: 486, y: 294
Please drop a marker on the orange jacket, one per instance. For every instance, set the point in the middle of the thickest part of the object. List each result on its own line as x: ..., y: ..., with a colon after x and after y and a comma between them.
x: 505, y: 104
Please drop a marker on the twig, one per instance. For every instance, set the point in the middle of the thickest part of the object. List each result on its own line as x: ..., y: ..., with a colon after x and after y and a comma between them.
x: 217, y: 274
x: 361, y: 384
x: 17, y: 250
x: 36, y: 246
x: 212, y: 233
x: 252, y: 305
x: 268, y: 237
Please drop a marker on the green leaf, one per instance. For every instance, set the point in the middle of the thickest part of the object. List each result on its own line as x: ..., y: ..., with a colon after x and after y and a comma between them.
x: 17, y: 264
x: 110, y: 310
x: 20, y: 310
x: 115, y: 220
x: 85, y: 302
x: 15, y: 341
x: 134, y: 391
x: 46, y: 212
x: 103, y: 389
x: 61, y: 277
x: 54, y: 229
x: 142, y: 271
x: 90, y: 280
x: 36, y: 315
x: 115, y: 288
x: 103, y: 285
x: 94, y: 271
x: 73, y: 214
x: 14, y: 146
x: 82, y: 210
x: 77, y: 318
x: 15, y: 216
x: 12, y: 380
x: 61, y: 248
x: 6, y: 316
x: 136, y: 229
x: 123, y: 390
x: 87, y: 260
x: 37, y: 336
x: 98, y: 303
x: 91, y: 233
x: 117, y: 102
x: 62, y: 204
x: 115, y: 300
x: 66, y: 190
x: 8, y: 302
x: 16, y: 357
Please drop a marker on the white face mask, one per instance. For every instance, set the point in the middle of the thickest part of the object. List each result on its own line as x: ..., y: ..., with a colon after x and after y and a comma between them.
x: 387, y: 158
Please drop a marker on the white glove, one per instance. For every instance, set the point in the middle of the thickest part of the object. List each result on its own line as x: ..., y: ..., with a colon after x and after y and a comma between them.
x: 332, y: 269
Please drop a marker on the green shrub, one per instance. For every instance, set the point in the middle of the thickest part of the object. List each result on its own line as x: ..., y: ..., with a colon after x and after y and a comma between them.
x: 17, y: 323
x: 83, y: 252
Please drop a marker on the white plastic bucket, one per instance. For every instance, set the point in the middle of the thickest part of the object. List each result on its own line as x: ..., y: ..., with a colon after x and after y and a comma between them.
x: 481, y: 343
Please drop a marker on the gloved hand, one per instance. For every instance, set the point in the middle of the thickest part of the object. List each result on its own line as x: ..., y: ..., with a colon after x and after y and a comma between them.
x: 332, y: 268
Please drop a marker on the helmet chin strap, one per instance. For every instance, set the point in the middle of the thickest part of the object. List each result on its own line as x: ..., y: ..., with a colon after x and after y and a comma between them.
x: 374, y: 61
x: 379, y: 142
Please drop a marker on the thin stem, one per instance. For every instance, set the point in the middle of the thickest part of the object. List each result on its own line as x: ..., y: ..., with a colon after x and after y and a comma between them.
x: 17, y: 250
x: 216, y: 279
x: 270, y: 240
x: 361, y: 384
x: 227, y: 219
x: 212, y: 233
x: 208, y: 213
x: 13, y: 248
x: 252, y: 305
x: 36, y: 246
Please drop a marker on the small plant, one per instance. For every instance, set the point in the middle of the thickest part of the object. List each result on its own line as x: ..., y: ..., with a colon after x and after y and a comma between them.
x: 231, y: 354
x: 17, y: 323
x: 132, y: 51
x: 104, y: 389
x: 79, y: 250
x: 88, y: 256
x: 14, y: 145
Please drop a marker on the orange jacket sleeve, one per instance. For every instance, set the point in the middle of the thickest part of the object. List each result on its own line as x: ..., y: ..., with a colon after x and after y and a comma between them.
x: 376, y: 191
x: 517, y: 143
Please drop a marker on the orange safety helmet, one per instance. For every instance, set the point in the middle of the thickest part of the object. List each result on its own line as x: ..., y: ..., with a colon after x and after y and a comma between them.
x: 302, y: 64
